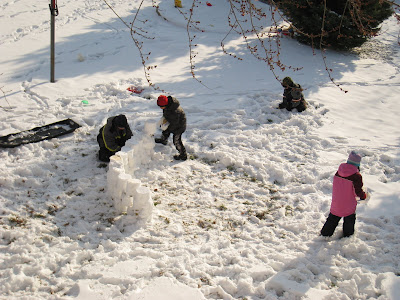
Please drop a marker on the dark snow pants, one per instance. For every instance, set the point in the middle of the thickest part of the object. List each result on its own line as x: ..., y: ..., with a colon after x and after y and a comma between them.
x: 332, y: 222
x: 177, y: 139
x: 104, y: 153
x: 300, y: 107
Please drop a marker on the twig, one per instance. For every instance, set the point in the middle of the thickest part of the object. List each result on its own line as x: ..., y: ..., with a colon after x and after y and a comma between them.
x: 192, y: 54
x: 5, y: 98
x: 137, y: 43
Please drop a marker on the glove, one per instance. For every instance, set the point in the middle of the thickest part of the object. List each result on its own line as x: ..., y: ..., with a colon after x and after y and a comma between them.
x: 367, y: 197
x: 163, y: 124
x: 120, y: 142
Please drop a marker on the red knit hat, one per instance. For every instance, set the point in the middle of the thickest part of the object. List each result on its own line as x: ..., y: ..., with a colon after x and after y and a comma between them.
x: 162, y: 100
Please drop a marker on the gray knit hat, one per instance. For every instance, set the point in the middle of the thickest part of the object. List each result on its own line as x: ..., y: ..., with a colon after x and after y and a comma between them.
x: 354, y: 159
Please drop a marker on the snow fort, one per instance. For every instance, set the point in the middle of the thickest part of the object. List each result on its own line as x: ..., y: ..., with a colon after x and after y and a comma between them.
x: 127, y: 192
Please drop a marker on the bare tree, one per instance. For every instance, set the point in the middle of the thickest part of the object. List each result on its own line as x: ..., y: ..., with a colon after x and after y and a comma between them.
x: 242, y: 18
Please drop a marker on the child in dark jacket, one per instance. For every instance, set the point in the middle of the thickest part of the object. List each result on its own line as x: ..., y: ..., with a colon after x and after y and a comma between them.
x: 347, y: 185
x: 112, y: 136
x: 292, y: 96
x: 175, y: 116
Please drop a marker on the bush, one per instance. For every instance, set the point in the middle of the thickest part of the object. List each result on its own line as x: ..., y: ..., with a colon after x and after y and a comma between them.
x: 346, y: 23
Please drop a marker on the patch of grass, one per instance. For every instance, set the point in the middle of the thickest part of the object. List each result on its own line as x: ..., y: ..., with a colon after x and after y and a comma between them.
x: 205, y: 280
x: 39, y: 216
x: 209, y: 161
x: 288, y: 210
x: 11, y: 241
x: 222, y: 207
x: 272, y: 190
x: 165, y: 219
x: 276, y: 197
x: 206, y: 224
x: 262, y: 215
x: 231, y: 168
x: 250, y: 178
x: 253, y: 179
x: 17, y: 221
x: 234, y: 223
x: 52, y: 209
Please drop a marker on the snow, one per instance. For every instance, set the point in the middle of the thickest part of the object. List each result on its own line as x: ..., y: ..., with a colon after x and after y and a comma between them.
x: 241, y: 218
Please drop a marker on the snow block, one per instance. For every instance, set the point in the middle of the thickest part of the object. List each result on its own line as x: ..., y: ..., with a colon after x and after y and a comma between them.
x: 126, y: 191
x: 166, y: 288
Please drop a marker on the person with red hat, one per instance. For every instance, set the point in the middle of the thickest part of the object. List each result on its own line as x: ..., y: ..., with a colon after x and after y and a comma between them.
x: 175, y: 116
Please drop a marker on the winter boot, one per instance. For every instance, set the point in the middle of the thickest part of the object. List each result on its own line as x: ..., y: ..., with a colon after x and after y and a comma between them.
x: 104, y: 154
x: 182, y: 156
x: 161, y: 141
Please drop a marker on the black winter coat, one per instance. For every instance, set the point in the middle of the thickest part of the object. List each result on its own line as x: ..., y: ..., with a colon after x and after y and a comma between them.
x: 111, y: 138
x: 175, y: 116
x: 288, y: 102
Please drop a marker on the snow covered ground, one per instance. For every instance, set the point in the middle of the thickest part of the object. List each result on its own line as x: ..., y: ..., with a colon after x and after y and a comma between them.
x: 240, y: 219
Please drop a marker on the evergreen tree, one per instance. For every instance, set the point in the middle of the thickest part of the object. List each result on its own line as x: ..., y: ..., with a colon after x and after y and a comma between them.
x: 344, y: 24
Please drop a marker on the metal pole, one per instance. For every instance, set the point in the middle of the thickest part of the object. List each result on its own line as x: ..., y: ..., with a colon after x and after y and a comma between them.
x: 52, y: 38
x: 54, y: 13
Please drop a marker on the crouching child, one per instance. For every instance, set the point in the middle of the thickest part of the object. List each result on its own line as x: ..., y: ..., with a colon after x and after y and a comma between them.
x: 113, y: 136
x: 293, y: 97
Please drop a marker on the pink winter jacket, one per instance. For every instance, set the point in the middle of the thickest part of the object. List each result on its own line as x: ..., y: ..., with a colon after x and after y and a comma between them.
x: 347, y: 184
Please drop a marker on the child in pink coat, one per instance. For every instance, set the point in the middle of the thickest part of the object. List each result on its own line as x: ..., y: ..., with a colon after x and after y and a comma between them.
x: 347, y: 185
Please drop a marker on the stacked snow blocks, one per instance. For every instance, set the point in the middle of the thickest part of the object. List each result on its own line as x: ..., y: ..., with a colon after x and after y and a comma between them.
x: 128, y: 195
